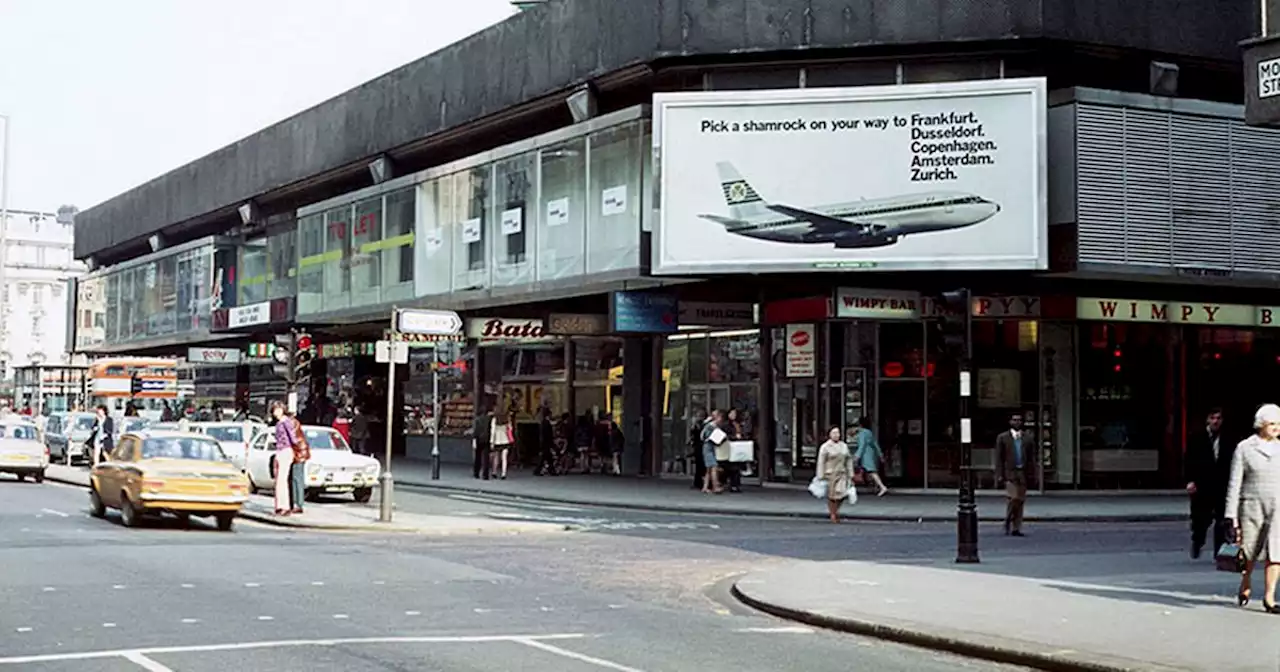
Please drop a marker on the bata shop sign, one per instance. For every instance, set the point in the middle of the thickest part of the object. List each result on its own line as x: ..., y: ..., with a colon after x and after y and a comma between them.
x: 1175, y: 312
x: 505, y: 329
x: 801, y: 351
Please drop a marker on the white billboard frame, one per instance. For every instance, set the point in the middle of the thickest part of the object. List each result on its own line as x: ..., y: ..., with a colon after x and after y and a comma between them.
x: 1035, y: 87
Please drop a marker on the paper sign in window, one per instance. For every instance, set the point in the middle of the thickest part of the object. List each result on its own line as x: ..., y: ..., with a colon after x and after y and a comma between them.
x: 512, y: 221
x: 614, y: 201
x: 434, y: 241
x: 471, y: 231
x: 558, y: 212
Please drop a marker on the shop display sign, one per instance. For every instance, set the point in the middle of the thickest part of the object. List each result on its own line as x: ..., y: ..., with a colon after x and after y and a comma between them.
x: 878, y: 304
x: 949, y: 176
x: 504, y: 328
x: 577, y: 324
x: 213, y: 355
x: 716, y: 314
x: 644, y: 312
x: 801, y: 351
x: 249, y: 316
x: 1175, y: 312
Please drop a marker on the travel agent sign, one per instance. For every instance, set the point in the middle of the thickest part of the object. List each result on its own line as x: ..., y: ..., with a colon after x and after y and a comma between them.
x: 913, y: 177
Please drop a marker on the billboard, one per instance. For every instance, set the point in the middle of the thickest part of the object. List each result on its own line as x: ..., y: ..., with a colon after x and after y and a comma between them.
x: 910, y: 177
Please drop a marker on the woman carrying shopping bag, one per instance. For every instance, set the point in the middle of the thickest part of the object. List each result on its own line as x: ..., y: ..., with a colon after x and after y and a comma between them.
x: 835, y: 471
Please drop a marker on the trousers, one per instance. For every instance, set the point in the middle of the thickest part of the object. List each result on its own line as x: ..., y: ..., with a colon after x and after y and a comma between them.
x: 297, y: 484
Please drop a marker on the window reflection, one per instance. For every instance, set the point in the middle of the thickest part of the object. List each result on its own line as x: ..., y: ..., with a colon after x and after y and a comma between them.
x: 513, y: 188
x: 562, y: 236
x: 251, y: 285
x: 311, y: 241
x: 435, y: 269
x: 472, y: 197
x: 364, y: 259
x: 398, y: 245
x: 282, y: 262
x: 613, y: 237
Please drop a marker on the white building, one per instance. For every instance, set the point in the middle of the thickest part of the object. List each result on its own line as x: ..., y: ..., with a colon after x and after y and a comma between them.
x: 35, y: 264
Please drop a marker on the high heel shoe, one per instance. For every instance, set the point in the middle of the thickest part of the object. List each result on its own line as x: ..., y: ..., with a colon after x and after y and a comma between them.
x: 1242, y: 598
x: 1271, y: 608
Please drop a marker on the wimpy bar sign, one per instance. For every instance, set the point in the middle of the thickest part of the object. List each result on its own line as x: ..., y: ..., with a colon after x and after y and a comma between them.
x: 1175, y: 312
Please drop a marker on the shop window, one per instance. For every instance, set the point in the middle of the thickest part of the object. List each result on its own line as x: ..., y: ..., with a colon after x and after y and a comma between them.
x: 398, y: 245
x: 697, y: 358
x: 1124, y: 407
x: 472, y: 231
x: 613, y: 232
x: 434, y: 274
x: 363, y: 262
x: 311, y: 263
x: 733, y: 359
x: 253, y: 275
x: 561, y: 238
x: 514, y: 237
x: 457, y: 405
x: 282, y: 261
x: 167, y: 290
x: 336, y: 259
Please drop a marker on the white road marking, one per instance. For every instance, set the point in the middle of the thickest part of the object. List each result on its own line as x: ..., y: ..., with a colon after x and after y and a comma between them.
x: 413, y: 613
x: 56, y: 513
x: 23, y: 629
x: 145, y: 662
x: 317, y: 583
x: 478, y: 610
x: 108, y: 625
x: 379, y: 583
x: 48, y: 589
x: 341, y: 616
x: 189, y: 621
x: 188, y: 585
x: 118, y: 587
x: 266, y: 618
x: 26, y: 529
x: 253, y: 585
x: 598, y: 662
x: 615, y: 606
x: 287, y: 643
x: 545, y: 608
x: 784, y: 630
x: 520, y: 504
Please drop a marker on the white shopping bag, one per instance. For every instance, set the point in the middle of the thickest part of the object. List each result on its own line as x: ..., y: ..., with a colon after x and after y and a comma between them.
x: 742, y: 451
x: 818, y: 488
x: 853, y: 494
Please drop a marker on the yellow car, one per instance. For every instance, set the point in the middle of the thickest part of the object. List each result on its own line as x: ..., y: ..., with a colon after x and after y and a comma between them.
x: 154, y: 472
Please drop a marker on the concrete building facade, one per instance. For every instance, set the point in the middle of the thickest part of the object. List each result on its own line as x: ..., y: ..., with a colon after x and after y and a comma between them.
x: 38, y: 270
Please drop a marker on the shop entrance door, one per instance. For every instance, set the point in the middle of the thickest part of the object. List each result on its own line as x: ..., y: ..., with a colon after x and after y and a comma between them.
x: 901, y: 431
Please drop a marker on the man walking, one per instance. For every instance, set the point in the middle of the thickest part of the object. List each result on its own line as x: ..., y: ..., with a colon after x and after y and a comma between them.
x: 1015, y: 467
x: 481, y: 442
x: 1208, y: 466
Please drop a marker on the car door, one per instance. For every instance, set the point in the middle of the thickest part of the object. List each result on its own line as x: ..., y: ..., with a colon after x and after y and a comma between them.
x: 54, y: 437
x: 259, y: 463
x: 108, y: 474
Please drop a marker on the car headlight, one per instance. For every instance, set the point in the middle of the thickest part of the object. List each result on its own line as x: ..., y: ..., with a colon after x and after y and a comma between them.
x: 314, y: 469
x: 371, y: 469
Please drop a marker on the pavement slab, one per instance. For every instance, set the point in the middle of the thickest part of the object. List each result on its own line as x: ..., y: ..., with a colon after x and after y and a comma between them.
x: 1039, y: 622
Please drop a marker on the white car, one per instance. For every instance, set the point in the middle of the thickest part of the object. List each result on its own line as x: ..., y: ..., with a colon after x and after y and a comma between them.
x: 234, y: 437
x: 22, y: 453
x: 333, y: 468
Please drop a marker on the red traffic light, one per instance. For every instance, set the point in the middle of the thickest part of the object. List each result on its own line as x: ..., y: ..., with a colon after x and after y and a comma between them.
x: 304, y: 342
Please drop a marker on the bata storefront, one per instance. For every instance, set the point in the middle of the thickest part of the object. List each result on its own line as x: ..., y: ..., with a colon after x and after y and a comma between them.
x: 1149, y: 372
x: 878, y: 354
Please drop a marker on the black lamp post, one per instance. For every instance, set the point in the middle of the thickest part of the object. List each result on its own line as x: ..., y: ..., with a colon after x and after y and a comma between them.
x: 957, y: 324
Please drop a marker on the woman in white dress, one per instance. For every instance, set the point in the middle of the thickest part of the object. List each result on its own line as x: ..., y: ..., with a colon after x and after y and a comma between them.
x: 1253, y: 501
x: 502, y: 435
x: 835, y: 467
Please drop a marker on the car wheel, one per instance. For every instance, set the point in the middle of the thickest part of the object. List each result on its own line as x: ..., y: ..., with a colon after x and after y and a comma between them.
x: 312, y: 495
x: 225, y: 521
x: 129, y: 514
x: 363, y: 495
x: 184, y: 519
x: 96, y: 508
x: 253, y: 487
x: 21, y: 477
x: 40, y: 476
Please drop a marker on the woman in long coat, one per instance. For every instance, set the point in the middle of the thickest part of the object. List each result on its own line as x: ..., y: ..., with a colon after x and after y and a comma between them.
x: 835, y: 466
x: 1253, y: 502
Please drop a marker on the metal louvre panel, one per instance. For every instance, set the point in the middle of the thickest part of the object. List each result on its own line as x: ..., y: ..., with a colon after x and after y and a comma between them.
x: 1148, y: 203
x: 1254, y: 153
x: 1100, y: 184
x: 1202, y: 231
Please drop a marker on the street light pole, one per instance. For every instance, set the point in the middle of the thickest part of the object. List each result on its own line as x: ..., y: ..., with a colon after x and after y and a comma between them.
x: 435, y: 412
x: 967, y: 508
x: 385, y: 481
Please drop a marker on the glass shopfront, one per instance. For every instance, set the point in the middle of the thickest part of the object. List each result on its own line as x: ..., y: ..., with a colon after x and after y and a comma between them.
x: 707, y: 371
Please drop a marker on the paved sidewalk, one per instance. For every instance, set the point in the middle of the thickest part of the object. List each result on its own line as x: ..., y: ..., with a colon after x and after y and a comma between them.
x: 1052, y: 624
x: 353, y: 517
x: 776, y: 500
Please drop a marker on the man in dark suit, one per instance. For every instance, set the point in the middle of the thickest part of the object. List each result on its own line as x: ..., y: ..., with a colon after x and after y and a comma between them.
x: 482, y: 442
x: 1208, y: 466
x: 1017, y: 454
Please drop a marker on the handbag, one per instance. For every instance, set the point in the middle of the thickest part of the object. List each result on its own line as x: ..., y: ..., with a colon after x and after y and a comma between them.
x: 717, y: 436
x: 301, y: 451
x: 818, y: 488
x: 1230, y: 558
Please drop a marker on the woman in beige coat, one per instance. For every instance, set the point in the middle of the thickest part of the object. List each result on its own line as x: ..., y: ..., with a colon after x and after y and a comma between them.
x: 1253, y: 502
x: 835, y: 467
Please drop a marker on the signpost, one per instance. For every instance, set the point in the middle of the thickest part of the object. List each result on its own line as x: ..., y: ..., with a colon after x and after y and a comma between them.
x: 394, y: 351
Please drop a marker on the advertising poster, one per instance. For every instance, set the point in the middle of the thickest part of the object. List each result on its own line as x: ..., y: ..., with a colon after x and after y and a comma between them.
x: 910, y: 177
x: 801, y: 352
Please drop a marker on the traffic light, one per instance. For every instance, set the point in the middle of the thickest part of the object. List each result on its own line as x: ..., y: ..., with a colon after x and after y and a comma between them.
x: 956, y: 316
x: 302, y: 357
x: 283, y: 355
x: 135, y: 385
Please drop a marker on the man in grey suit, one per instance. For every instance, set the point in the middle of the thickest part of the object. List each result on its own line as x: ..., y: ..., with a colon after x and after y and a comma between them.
x: 1017, y: 454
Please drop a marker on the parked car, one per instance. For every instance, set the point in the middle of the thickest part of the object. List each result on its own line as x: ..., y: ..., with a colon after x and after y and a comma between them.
x: 234, y: 437
x: 66, y: 433
x: 21, y: 452
x: 152, y: 472
x: 333, y: 468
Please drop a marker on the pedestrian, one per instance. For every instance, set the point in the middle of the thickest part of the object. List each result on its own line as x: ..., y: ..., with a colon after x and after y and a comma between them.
x: 482, y: 442
x: 583, y: 436
x: 867, y: 455
x: 360, y: 431
x: 1015, y: 467
x: 283, y: 458
x: 1208, y: 466
x: 712, y: 435
x: 695, y: 448
x: 617, y: 441
x: 298, y: 468
x: 502, y: 434
x: 1253, y: 502
x: 737, y: 432
x: 835, y: 468
x: 102, y: 439
x: 546, y: 444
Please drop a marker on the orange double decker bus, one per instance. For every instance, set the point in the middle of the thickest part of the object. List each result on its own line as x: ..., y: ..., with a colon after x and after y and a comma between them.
x: 110, y: 382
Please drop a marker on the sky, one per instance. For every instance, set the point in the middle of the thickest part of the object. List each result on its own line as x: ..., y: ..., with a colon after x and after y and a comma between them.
x: 104, y: 95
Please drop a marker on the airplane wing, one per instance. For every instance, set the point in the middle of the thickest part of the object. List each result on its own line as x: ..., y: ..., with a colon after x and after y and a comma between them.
x: 823, y: 223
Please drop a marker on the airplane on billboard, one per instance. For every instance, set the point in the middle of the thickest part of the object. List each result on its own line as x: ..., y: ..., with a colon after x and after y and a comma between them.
x: 867, y: 223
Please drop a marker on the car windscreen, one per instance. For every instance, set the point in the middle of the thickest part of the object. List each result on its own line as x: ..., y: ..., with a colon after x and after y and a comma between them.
x: 184, y: 448
x: 231, y: 434
x: 132, y: 424
x: 83, y: 423
x: 17, y: 432
x: 319, y: 439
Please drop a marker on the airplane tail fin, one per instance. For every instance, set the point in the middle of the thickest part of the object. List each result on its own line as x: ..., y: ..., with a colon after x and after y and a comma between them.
x: 742, y: 199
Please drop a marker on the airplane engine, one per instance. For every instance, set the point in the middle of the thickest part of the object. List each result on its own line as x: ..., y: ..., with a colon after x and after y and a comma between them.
x: 854, y: 240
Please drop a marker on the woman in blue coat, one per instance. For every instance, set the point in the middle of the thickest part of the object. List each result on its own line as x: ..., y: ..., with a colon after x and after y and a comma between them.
x: 867, y: 455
